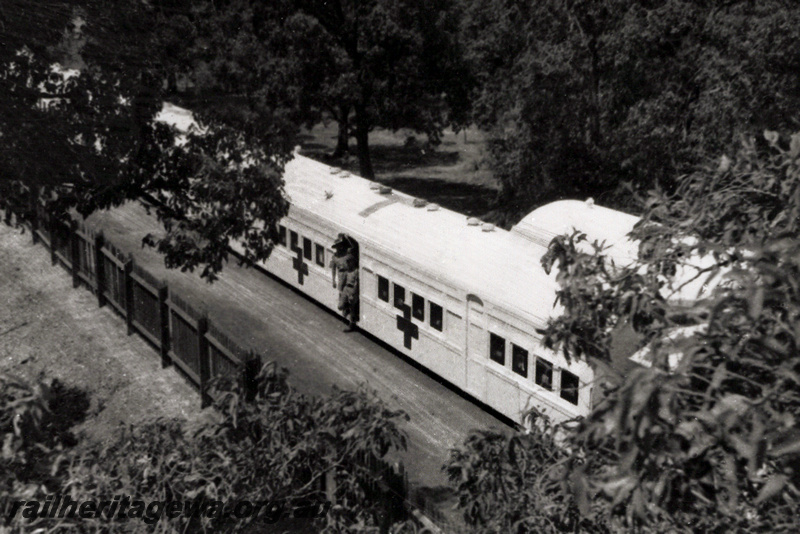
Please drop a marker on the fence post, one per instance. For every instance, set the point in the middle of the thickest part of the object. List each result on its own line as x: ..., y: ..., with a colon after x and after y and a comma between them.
x: 163, y: 307
x: 75, y: 252
x: 100, y: 269
x: 129, y: 294
x: 34, y: 215
x: 205, y: 371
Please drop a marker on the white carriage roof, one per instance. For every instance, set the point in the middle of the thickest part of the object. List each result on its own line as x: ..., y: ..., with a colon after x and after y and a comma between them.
x: 498, y: 266
x: 612, y: 227
x: 598, y: 223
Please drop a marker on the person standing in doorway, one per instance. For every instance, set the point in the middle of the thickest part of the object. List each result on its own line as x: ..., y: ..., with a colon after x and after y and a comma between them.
x: 345, y: 265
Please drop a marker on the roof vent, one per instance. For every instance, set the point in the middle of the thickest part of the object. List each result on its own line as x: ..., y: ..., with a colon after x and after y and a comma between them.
x: 420, y: 203
x: 433, y: 207
x: 589, y: 202
x: 385, y: 190
x: 374, y: 186
x: 487, y: 227
x: 335, y: 170
x: 473, y: 221
x: 344, y: 174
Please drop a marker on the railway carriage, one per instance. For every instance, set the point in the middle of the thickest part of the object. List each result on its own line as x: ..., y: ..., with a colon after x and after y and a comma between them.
x: 462, y: 298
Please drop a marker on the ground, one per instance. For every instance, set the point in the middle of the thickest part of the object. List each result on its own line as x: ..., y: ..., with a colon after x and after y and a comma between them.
x: 48, y: 328
x: 454, y: 174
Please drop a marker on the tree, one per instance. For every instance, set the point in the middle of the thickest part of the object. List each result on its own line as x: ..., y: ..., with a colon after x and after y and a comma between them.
x: 393, y: 63
x: 707, y: 441
x: 581, y: 96
x: 96, y: 124
x: 403, y: 65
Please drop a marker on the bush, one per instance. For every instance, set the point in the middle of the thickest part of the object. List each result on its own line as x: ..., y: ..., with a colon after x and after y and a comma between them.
x: 273, y: 444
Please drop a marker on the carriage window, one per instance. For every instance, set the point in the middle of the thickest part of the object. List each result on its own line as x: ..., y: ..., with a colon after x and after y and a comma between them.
x: 383, y: 289
x: 399, y: 296
x: 497, y: 348
x: 307, y: 248
x: 294, y: 239
x: 544, y: 373
x: 282, y: 235
x: 519, y: 360
x: 417, y: 307
x: 320, y: 255
x: 569, y: 387
x: 437, y: 317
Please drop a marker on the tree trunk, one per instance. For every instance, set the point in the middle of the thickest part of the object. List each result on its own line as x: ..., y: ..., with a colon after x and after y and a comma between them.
x: 362, y: 140
x: 342, y: 144
x: 172, y: 83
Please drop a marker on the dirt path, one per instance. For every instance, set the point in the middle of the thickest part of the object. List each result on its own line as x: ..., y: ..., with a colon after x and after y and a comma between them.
x: 47, y: 327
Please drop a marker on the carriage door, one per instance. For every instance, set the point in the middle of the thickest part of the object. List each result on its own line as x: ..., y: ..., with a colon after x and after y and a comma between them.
x: 346, y: 259
x: 475, y: 344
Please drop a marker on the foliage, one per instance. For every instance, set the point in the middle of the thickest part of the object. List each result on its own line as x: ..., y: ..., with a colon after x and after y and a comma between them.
x: 35, y: 421
x: 392, y: 63
x: 245, y: 70
x: 712, y: 444
x: 403, y: 67
x: 265, y: 442
x: 96, y: 124
x: 708, y: 440
x: 579, y: 96
x: 515, y: 484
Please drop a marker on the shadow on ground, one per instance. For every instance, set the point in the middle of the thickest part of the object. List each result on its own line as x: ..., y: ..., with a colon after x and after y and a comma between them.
x: 389, y: 159
x: 469, y: 199
x: 69, y: 405
x: 386, y: 159
x: 412, y: 170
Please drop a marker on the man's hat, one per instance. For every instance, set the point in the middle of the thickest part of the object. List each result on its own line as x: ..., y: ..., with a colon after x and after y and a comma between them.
x: 341, y: 240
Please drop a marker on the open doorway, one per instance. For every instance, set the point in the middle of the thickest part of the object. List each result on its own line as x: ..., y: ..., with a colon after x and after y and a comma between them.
x: 345, y: 266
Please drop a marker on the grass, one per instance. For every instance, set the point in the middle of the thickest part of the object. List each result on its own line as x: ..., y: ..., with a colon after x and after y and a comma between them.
x: 454, y: 174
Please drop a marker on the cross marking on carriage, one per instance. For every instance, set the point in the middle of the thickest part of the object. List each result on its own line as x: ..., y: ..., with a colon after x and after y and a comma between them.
x: 404, y: 324
x: 299, y: 265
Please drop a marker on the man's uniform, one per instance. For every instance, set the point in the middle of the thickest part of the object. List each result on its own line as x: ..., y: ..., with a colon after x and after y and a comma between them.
x: 346, y: 266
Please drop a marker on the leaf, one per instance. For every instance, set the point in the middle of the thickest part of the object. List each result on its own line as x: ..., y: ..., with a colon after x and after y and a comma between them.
x: 638, y: 504
x: 771, y: 488
x: 724, y: 164
x: 787, y: 445
x: 771, y: 137
x: 756, y: 302
x: 794, y: 145
x: 580, y: 492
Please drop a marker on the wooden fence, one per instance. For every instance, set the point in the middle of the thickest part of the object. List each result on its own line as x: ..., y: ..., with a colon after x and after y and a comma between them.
x: 183, y: 335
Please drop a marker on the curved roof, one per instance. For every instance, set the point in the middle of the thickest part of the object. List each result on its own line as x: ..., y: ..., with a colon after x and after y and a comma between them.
x: 499, y: 266
x: 598, y: 223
